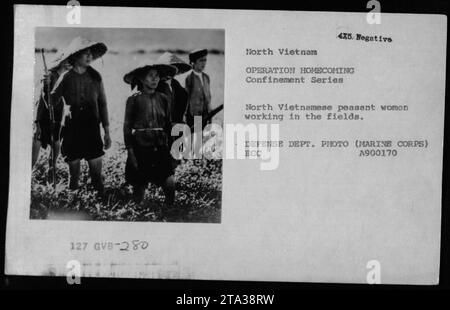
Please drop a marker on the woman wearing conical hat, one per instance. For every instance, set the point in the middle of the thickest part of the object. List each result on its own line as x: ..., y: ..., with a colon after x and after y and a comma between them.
x: 84, y: 96
x: 44, y: 129
x: 147, y: 129
x: 172, y: 88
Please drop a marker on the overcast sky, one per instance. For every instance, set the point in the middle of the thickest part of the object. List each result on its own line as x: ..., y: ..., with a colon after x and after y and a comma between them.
x: 120, y: 39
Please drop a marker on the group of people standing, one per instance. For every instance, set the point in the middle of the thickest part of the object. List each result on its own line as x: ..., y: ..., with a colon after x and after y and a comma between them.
x: 72, y: 109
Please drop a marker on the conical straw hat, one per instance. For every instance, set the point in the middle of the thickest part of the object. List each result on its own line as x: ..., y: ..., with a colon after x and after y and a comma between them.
x: 78, y: 45
x: 134, y: 76
x: 171, y: 59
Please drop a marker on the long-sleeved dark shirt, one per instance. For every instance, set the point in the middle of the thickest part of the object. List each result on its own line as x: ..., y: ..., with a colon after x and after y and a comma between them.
x: 178, y: 97
x: 146, y: 111
x: 84, y: 92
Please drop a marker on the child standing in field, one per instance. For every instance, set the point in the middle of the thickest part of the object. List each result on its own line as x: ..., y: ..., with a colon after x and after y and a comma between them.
x: 85, y: 101
x: 146, y: 130
x: 198, y: 88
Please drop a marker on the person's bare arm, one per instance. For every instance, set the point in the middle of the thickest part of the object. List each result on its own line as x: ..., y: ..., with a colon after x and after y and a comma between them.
x: 104, y: 118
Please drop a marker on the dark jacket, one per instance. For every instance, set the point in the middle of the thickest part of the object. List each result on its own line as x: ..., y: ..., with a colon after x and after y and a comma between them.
x: 84, y: 92
x: 178, y: 99
x: 147, y: 111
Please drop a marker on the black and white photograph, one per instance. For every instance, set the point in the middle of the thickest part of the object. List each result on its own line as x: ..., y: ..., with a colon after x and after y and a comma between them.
x: 238, y: 146
x: 105, y: 103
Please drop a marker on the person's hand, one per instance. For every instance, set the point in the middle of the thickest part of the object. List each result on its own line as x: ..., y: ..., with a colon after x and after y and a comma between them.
x: 132, y: 158
x: 46, y: 79
x: 107, y: 141
x: 65, y: 66
x: 37, y: 131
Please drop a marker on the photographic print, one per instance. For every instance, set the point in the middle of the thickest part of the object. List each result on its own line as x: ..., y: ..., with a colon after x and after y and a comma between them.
x: 102, y: 140
x: 245, y: 145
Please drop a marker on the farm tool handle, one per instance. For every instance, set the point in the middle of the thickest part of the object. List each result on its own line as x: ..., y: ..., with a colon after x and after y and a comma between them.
x: 52, y: 120
x: 211, y: 114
